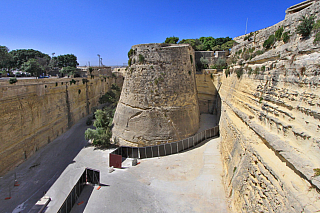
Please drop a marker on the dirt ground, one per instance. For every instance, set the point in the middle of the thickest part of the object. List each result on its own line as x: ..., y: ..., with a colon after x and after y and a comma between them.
x: 185, y: 182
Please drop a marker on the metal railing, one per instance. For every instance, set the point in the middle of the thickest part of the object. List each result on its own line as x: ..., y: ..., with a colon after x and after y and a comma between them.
x: 166, y: 149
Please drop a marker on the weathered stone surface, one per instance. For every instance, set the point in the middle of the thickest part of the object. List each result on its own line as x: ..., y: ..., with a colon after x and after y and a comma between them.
x: 35, y: 112
x: 270, y: 122
x: 158, y: 102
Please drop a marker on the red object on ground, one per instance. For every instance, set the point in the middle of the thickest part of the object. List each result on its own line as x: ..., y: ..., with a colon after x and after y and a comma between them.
x: 80, y: 203
x: 138, y: 163
x: 98, y: 187
x: 7, y: 198
x: 16, y: 184
x: 115, y: 161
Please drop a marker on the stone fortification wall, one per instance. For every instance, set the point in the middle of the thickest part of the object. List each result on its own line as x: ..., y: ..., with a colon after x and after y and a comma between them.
x: 158, y: 102
x: 35, y: 112
x: 270, y: 122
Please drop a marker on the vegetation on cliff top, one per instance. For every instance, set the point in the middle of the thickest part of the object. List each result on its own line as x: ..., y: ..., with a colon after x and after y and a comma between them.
x: 306, y: 26
x: 33, y: 61
x: 204, y: 43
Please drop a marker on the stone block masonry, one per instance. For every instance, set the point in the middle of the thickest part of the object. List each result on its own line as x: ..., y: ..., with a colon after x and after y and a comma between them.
x: 158, y: 102
x: 35, y: 112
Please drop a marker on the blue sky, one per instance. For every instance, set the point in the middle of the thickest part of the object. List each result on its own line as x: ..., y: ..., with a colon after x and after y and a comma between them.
x: 111, y: 27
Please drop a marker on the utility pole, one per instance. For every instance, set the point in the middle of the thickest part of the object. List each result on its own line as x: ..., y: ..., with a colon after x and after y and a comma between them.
x: 99, y: 59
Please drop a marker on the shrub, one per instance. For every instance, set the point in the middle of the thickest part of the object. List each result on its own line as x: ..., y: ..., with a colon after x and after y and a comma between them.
x: 13, y: 80
x: 227, y: 72
x: 151, y: 67
x: 130, y: 53
x: 316, y: 26
x: 279, y: 32
x: 85, y: 80
x: 316, y: 172
x: 263, y: 68
x: 221, y: 63
x: 256, y: 71
x: 239, y: 72
x: 306, y: 25
x: 141, y: 59
x: 73, y: 82
x: 129, y: 62
x: 204, y: 62
x: 171, y: 40
x: 248, y: 36
x: 249, y: 71
x: 258, y: 52
x: 269, y: 42
x: 285, y: 37
x: 317, y: 38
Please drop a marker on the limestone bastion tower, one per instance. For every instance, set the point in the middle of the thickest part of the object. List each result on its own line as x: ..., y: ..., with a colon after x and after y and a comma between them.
x: 158, y: 102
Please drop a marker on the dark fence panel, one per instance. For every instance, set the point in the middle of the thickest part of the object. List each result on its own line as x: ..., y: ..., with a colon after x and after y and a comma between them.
x: 155, y: 151
x: 162, y: 151
x: 149, y: 152
x: 135, y: 152
x: 174, y: 147
x: 166, y: 149
x: 93, y: 176
x: 89, y: 175
x: 180, y: 146
x: 142, y: 151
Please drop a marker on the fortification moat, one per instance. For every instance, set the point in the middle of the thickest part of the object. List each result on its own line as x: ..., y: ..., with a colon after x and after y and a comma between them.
x: 158, y: 102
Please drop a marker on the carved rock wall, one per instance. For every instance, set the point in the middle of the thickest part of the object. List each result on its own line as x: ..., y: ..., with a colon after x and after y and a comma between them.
x: 270, y: 123
x: 158, y: 102
x: 35, y: 112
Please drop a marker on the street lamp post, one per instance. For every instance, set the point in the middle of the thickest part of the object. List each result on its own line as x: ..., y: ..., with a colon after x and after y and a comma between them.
x: 99, y: 59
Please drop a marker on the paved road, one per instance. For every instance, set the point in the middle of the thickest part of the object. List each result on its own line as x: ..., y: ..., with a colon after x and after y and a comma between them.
x: 22, y: 78
x: 40, y: 171
x: 185, y: 182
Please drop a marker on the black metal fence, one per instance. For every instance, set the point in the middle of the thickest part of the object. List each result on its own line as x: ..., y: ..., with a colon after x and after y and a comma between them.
x: 88, y: 176
x: 168, y: 148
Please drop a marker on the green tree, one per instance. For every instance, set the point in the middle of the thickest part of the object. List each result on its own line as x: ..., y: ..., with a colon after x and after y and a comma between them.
x: 228, y: 45
x: 204, y: 62
x: 5, y: 58
x: 33, y: 67
x: 221, y: 63
x: 306, y: 25
x: 68, y: 70
x: 68, y: 60
x: 21, y: 56
x: 171, y: 40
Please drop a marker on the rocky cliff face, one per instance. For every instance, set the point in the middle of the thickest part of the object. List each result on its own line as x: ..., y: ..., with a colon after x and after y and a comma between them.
x: 158, y: 102
x: 270, y: 120
x: 35, y: 112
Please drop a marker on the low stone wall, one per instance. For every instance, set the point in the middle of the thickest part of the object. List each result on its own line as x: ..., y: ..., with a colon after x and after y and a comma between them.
x: 34, y: 112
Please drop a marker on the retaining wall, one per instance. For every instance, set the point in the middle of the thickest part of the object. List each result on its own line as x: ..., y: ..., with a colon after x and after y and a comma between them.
x: 34, y: 112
